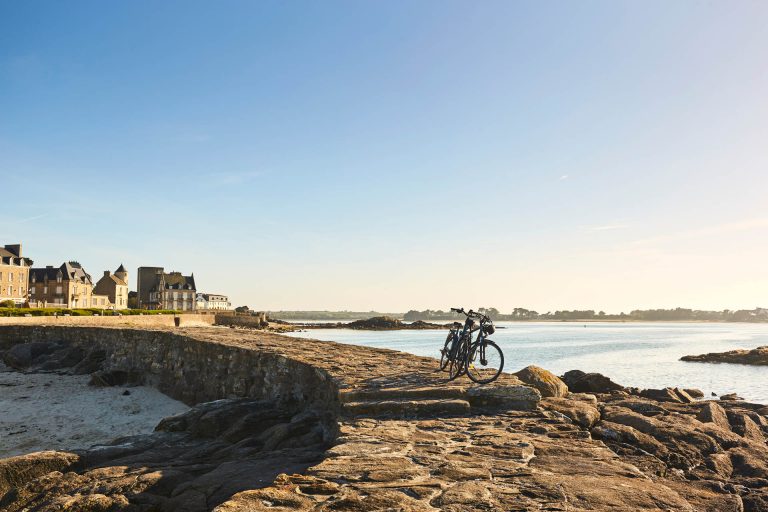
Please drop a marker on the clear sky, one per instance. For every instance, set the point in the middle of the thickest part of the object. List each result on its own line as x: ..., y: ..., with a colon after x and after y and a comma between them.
x: 392, y: 155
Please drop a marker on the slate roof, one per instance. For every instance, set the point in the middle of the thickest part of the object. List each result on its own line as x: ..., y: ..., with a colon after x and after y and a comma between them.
x: 6, y: 255
x: 70, y: 271
x: 176, y: 281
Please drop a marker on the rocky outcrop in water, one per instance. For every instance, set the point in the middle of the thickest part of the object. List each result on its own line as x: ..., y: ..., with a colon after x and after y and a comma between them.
x: 757, y: 357
x: 378, y: 323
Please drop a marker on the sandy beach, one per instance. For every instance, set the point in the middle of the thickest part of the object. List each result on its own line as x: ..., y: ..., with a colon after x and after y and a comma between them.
x: 61, y: 412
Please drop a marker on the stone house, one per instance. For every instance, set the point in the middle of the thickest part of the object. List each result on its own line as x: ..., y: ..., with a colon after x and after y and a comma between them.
x: 68, y: 286
x: 14, y: 274
x: 158, y: 289
x: 213, y: 301
x: 114, y: 287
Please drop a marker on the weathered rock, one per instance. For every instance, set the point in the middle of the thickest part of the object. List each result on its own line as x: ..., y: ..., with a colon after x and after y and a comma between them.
x: 667, y: 395
x: 711, y: 412
x: 504, y: 396
x: 616, y: 432
x: 695, y: 393
x: 743, y: 425
x: 688, y: 445
x: 721, y: 464
x: 548, y: 384
x: 581, y: 412
x: 580, y: 382
x: 730, y: 396
x: 22, y: 356
x: 17, y: 471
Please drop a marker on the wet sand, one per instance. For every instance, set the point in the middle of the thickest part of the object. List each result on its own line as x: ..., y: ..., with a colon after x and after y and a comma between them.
x: 46, y: 411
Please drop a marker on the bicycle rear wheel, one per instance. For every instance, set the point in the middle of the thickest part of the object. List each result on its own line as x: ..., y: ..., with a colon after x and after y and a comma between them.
x: 445, y: 356
x: 484, y: 362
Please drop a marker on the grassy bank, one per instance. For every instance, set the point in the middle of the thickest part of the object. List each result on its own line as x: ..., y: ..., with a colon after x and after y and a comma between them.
x: 81, y: 312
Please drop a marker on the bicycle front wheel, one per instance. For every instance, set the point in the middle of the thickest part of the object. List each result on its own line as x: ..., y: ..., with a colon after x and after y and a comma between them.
x: 485, y: 362
x: 458, y: 361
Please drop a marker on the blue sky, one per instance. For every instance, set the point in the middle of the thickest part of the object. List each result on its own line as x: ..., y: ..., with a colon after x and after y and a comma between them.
x: 393, y: 155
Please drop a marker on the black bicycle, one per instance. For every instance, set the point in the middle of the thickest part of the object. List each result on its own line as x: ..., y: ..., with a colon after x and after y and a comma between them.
x: 482, y: 360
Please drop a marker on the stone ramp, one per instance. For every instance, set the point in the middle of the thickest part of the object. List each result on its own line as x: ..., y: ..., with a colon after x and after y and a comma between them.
x: 448, y: 399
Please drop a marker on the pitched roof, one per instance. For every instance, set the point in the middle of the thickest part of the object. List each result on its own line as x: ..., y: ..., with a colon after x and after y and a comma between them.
x: 70, y: 271
x: 117, y: 280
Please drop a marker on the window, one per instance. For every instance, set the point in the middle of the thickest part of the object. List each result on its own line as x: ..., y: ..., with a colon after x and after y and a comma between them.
x: 10, y: 277
x: 21, y: 291
x: 21, y: 277
x: 45, y: 290
x: 59, y: 290
x: 10, y: 290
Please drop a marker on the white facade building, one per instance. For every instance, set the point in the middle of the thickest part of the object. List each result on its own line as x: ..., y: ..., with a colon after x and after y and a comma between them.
x: 212, y: 301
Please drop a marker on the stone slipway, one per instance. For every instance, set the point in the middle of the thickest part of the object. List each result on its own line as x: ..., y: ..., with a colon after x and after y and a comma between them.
x: 388, y: 431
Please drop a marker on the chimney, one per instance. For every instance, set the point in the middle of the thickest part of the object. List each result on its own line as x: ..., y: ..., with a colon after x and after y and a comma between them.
x: 106, y: 273
x: 14, y: 249
x: 49, y: 266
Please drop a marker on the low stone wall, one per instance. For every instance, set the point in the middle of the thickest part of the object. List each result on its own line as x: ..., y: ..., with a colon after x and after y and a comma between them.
x: 186, y: 320
x: 192, y: 370
x: 241, y: 320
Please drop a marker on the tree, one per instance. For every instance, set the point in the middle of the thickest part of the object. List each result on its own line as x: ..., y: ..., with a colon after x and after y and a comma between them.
x: 242, y: 309
x: 7, y: 304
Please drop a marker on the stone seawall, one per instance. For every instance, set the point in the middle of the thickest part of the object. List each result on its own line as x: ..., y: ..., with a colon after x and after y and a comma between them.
x: 192, y: 370
x: 148, y: 321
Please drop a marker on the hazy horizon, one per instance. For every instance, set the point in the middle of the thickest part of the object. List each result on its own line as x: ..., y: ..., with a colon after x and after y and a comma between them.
x: 391, y: 156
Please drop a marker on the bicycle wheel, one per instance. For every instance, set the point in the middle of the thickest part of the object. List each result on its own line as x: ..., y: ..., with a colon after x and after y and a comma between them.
x: 459, y: 359
x: 484, y: 362
x: 445, y: 356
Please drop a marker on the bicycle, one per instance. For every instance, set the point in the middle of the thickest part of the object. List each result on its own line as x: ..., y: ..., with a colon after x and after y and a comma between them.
x: 482, y: 360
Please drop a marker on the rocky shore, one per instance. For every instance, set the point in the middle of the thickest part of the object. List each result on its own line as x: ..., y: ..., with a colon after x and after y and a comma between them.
x: 757, y: 357
x: 390, y: 433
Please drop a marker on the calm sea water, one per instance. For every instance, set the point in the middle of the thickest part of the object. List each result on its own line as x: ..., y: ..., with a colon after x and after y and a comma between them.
x: 645, y: 355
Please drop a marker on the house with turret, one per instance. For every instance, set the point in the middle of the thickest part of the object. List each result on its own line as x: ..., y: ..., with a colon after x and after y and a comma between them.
x: 114, y: 286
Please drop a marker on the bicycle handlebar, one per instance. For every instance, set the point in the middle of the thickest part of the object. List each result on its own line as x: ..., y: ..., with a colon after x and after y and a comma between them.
x: 471, y: 313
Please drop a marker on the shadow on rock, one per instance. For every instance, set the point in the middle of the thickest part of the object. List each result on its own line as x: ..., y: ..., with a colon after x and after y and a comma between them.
x: 192, y: 462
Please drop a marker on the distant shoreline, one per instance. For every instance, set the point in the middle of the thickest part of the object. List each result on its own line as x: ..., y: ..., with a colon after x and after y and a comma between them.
x: 444, y: 324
